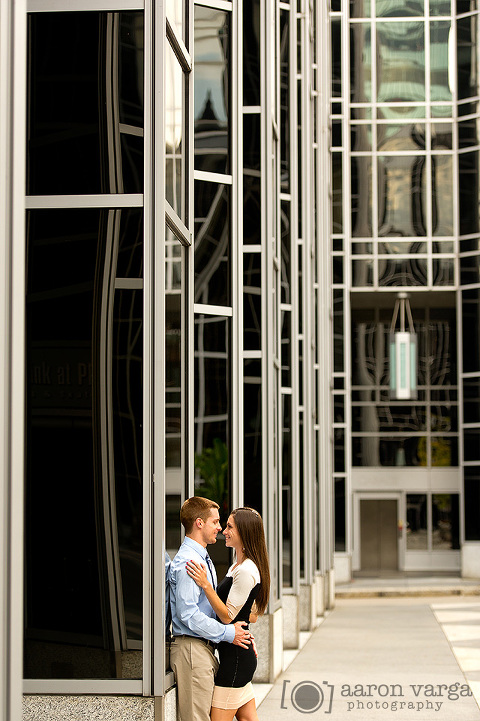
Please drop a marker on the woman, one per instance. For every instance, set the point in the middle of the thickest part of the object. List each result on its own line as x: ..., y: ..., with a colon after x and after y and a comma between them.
x: 247, y: 581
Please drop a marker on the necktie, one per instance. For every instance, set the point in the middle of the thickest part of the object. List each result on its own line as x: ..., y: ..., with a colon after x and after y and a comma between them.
x: 210, y: 568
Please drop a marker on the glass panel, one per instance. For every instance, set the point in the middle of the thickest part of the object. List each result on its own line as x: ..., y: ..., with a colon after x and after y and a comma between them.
x: 399, y: 8
x: 393, y: 247
x: 174, y: 392
x: 444, y: 418
x: 251, y: 141
x: 394, y: 112
x: 252, y: 301
x: 445, y: 521
x: 212, y: 90
x: 389, y: 418
x: 389, y: 451
x: 467, y: 61
x: 401, y: 62
x: 468, y: 192
x: 361, y: 197
x: 442, y: 194
x: 443, y: 272
x: 444, y: 452
x: 212, y: 254
x: 441, y: 7
x: 286, y: 264
x: 360, y: 136
x: 252, y: 210
x: 339, y: 450
x: 417, y: 533
x: 471, y: 444
x: 286, y: 342
x: 251, y: 52
x: 338, y: 331
x: 442, y: 136
x: 471, y: 400
x: 84, y: 538
x: 472, y: 503
x: 467, y: 133
x: 79, y: 95
x: 340, y: 516
x: 336, y: 135
x: 338, y: 408
x: 337, y: 266
x: 212, y: 403
x: 287, y: 496
x: 400, y: 137
x: 471, y: 330
x: 358, y: 8
x: 252, y: 422
x: 362, y: 271
x: 361, y: 62
x: 401, y: 191
x: 440, y: 78
x: 336, y: 30
x: 174, y: 132
x: 337, y: 193
x: 285, y: 101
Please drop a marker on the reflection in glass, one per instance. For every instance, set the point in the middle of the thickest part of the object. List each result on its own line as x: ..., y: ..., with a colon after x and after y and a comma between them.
x: 286, y: 265
x: 252, y: 210
x: 442, y: 7
x: 471, y: 400
x: 251, y: 52
x: 340, y: 516
x: 212, y: 254
x: 84, y: 505
x: 287, y: 497
x: 440, y: 80
x: 85, y: 103
x: 442, y: 136
x: 445, y: 521
x: 174, y: 391
x: 361, y: 197
x: 417, y: 522
x: 467, y: 62
x: 252, y: 422
x: 472, y: 502
x: 399, y: 137
x: 338, y: 331
x: 286, y: 348
x: 399, y: 8
x: 336, y: 58
x: 362, y: 272
x: 468, y: 192
x: 337, y: 192
x: 471, y: 330
x: 251, y: 141
x: 174, y: 131
x: 252, y: 301
x: 212, y: 90
x: 361, y: 62
x: 471, y: 444
x: 401, y: 196
x: 401, y: 62
x: 284, y: 101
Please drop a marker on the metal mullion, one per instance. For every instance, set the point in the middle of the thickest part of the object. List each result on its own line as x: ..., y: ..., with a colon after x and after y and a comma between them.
x: 13, y: 74
x: 213, y: 177
x: 106, y: 200
x: 155, y: 121
x: 217, y: 4
x: 236, y: 227
x: 45, y: 6
x: 150, y: 635
x: 178, y: 47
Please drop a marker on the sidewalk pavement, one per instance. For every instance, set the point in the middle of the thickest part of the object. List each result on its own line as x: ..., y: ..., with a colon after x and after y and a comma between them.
x: 408, y: 584
x: 374, y: 659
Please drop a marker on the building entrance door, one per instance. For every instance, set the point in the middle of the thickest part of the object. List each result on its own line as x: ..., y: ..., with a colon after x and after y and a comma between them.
x: 378, y: 535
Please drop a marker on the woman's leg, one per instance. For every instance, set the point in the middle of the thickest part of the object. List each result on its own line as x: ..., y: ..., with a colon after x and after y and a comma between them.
x: 222, y: 714
x: 247, y: 712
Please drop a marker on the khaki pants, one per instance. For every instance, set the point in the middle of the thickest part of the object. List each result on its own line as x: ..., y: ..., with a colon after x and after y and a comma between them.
x: 194, y: 665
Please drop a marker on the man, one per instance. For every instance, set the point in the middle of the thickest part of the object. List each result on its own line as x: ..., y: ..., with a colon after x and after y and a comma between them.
x: 195, y: 630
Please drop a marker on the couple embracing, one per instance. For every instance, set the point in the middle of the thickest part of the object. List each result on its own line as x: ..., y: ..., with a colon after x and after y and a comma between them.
x: 206, y: 616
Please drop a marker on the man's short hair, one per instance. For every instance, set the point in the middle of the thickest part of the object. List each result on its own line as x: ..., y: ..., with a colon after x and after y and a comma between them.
x: 193, y: 508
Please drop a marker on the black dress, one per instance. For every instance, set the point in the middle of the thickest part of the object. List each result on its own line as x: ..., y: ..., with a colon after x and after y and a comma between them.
x: 233, y: 685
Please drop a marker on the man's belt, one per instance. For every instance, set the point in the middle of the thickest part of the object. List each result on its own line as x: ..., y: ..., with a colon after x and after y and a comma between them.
x: 210, y: 644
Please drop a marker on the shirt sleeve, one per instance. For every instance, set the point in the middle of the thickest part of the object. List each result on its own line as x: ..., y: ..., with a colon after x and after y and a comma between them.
x: 187, y: 596
x: 243, y: 582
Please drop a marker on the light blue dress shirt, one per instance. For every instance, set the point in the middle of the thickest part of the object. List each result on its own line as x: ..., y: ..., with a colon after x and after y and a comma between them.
x: 191, y: 612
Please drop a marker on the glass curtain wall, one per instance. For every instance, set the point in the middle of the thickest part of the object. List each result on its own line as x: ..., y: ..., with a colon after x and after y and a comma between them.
x: 468, y: 141
x: 215, y: 243
x: 84, y: 347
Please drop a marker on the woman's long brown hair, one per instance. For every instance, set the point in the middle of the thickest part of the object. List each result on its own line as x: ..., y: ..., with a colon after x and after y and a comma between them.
x: 250, y: 527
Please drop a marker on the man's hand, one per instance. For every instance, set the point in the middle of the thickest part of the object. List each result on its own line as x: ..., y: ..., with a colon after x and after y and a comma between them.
x: 243, y: 637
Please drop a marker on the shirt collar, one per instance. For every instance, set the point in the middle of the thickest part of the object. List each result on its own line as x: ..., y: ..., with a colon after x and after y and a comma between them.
x: 196, y: 546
